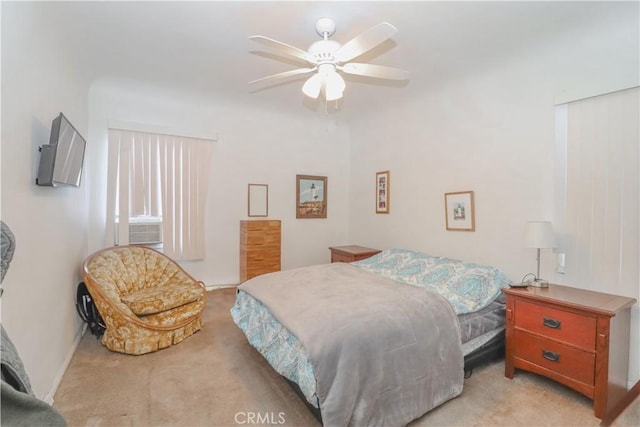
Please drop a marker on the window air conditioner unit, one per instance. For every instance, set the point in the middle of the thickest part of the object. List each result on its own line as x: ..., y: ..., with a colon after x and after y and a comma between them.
x: 145, y: 232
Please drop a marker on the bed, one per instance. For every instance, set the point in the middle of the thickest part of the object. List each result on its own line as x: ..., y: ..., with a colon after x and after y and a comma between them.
x: 375, y: 342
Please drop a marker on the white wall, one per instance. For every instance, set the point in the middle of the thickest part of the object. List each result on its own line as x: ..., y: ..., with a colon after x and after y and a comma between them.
x: 50, y: 224
x: 489, y: 133
x: 254, y: 146
x: 490, y: 130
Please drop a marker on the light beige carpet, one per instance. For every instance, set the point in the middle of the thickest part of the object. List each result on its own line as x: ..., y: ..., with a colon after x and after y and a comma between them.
x: 215, y: 378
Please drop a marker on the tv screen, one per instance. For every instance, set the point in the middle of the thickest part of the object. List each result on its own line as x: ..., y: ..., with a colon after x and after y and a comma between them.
x: 61, y: 160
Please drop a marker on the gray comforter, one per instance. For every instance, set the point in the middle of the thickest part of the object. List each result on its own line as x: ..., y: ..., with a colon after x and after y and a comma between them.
x: 384, y: 353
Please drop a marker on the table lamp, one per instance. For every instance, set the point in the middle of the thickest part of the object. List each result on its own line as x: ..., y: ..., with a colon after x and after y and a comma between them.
x: 539, y: 235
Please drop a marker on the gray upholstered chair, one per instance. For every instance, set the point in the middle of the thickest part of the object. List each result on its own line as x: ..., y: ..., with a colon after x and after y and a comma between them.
x: 8, y: 245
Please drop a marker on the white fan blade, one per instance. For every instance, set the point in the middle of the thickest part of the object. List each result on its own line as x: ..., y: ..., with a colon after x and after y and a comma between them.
x: 283, y: 75
x: 283, y: 47
x: 378, y: 71
x: 365, y: 41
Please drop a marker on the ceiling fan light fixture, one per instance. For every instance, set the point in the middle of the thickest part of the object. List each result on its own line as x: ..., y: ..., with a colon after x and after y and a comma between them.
x: 334, y: 86
x: 327, y: 57
x: 312, y: 86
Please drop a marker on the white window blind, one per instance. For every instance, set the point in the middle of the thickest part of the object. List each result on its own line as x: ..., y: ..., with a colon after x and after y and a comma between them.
x: 601, y: 225
x: 163, y: 176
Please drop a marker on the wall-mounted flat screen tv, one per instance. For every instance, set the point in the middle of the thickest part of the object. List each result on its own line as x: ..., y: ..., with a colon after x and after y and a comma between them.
x: 61, y: 160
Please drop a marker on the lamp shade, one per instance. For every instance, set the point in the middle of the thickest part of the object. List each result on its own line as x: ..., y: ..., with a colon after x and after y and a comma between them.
x: 334, y: 86
x: 312, y: 86
x: 539, y: 234
x: 328, y: 79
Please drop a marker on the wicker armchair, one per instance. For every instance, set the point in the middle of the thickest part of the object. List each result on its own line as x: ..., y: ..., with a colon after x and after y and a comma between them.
x: 146, y: 300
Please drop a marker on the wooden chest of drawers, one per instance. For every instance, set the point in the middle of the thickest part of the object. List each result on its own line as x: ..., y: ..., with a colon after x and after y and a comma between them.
x: 577, y: 337
x: 260, y: 250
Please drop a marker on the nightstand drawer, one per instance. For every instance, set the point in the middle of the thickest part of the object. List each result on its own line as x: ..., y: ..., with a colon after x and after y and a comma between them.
x: 568, y: 361
x: 575, y: 329
x: 335, y: 257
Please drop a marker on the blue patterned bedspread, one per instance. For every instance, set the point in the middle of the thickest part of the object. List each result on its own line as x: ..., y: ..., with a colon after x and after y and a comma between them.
x: 468, y: 287
x: 280, y: 347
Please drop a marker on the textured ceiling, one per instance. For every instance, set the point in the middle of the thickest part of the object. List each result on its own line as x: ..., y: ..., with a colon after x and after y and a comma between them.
x: 203, y: 47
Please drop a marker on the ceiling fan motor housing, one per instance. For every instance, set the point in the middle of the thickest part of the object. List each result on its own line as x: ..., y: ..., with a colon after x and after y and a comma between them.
x: 323, y: 50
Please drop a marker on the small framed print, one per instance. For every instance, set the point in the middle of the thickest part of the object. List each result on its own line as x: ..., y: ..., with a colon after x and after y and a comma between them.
x: 311, y: 196
x: 459, y: 211
x: 258, y: 200
x: 383, y: 192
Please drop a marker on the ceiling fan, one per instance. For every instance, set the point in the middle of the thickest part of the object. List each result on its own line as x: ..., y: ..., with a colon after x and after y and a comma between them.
x: 328, y: 57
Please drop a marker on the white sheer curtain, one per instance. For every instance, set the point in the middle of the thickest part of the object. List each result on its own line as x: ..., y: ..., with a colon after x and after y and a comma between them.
x: 162, y: 176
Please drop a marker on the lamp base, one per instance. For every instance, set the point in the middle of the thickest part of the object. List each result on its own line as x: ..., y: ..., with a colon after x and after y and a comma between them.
x: 540, y: 283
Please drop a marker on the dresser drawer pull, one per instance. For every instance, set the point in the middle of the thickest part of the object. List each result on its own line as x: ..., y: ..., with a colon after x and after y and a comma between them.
x: 550, y: 355
x: 551, y: 323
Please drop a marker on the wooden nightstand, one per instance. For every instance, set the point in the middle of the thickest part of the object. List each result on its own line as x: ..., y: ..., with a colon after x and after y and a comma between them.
x: 576, y: 337
x: 351, y: 253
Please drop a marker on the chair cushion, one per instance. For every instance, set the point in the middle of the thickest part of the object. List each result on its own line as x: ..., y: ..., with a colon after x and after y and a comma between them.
x: 157, y: 299
x: 175, y: 316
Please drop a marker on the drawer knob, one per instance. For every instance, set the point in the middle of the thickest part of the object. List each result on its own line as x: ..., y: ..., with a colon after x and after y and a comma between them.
x: 551, y: 323
x: 550, y: 355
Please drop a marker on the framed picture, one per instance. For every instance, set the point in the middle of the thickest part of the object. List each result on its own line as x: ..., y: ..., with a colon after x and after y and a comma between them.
x: 258, y: 200
x: 311, y: 196
x: 459, y: 211
x: 383, y: 192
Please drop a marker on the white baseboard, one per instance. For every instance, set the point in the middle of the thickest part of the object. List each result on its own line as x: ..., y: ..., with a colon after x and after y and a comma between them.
x: 214, y: 287
x: 58, y: 378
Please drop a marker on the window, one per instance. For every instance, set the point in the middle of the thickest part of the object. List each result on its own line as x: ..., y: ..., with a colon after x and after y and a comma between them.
x: 599, y: 188
x: 157, y: 189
